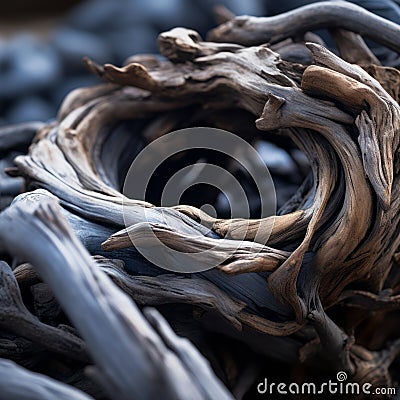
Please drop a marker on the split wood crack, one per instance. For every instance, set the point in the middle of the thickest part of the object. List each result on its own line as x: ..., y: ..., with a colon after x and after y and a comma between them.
x: 324, y: 288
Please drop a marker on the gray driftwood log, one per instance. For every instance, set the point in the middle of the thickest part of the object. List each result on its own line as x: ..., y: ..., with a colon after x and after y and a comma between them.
x: 134, y: 357
x: 315, y: 289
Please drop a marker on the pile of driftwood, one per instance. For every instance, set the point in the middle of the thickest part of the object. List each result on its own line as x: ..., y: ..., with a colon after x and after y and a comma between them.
x: 323, y: 294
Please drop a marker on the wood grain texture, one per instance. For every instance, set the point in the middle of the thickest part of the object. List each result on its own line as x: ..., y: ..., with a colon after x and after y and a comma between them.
x: 314, y: 288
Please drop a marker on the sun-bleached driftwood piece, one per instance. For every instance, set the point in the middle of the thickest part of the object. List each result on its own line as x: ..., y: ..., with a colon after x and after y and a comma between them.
x: 17, y: 383
x: 309, y: 286
x: 169, y: 362
x: 166, y: 79
x: 248, y: 30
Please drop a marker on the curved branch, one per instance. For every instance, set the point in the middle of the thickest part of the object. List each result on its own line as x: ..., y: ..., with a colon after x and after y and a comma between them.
x: 326, y: 14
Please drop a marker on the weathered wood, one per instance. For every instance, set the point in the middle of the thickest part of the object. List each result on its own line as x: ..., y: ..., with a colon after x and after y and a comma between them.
x: 250, y: 31
x: 15, y: 318
x: 79, y: 284
x: 311, y: 284
x: 16, y: 383
x: 352, y: 48
x: 19, y: 136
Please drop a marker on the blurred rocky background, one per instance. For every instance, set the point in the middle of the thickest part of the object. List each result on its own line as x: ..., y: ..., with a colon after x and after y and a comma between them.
x: 42, y: 42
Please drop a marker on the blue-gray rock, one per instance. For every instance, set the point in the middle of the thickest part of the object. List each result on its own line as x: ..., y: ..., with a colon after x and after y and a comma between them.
x: 71, y: 83
x: 96, y: 15
x: 27, y: 65
x: 32, y: 108
x: 276, y: 159
x: 135, y: 39
x: 248, y: 7
x: 73, y: 45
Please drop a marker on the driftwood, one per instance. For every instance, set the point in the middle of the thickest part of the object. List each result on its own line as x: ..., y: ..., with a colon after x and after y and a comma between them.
x: 182, y: 372
x: 316, y: 286
x: 17, y: 383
